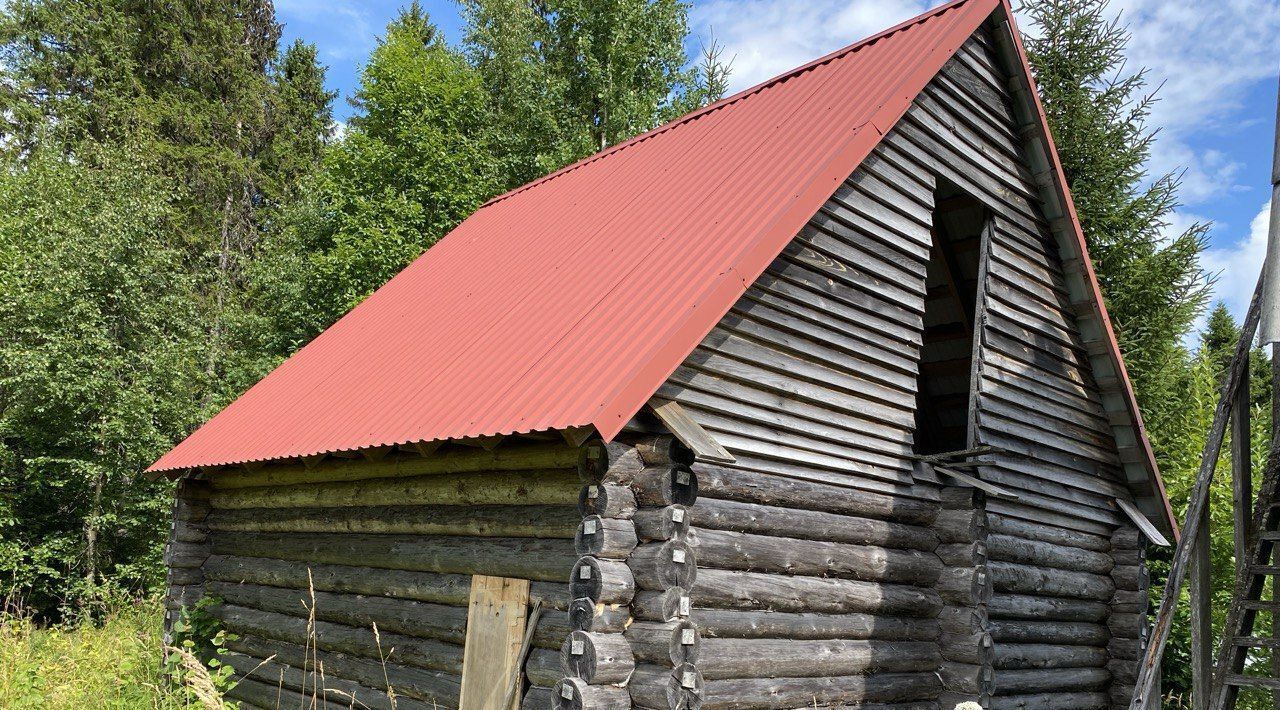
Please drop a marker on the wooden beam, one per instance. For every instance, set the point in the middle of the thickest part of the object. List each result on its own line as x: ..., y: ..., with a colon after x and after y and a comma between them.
x: 1201, y: 617
x: 495, y: 635
x: 689, y: 432
x: 311, y: 461
x: 576, y: 436
x: 990, y: 489
x: 426, y: 448
x: 1149, y: 530
x: 375, y: 453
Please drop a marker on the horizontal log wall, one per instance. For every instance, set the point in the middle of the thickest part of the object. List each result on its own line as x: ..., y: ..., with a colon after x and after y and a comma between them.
x: 1052, y: 569
x: 311, y: 560
x: 816, y: 567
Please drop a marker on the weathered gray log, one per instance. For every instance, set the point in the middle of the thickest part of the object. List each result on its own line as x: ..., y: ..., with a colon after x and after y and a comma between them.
x: 1015, y: 656
x: 750, y: 487
x: 1012, y: 549
x: 1058, y: 632
x: 975, y: 679
x: 451, y: 589
x: 962, y: 619
x: 191, y: 534
x: 666, y: 605
x: 1025, y: 579
x: 658, y: 486
x: 548, y: 487
x: 975, y: 647
x: 586, y: 615
x: 660, y: 687
x: 1130, y: 577
x: 1014, y: 527
x: 1019, y: 682
x: 660, y: 565
x: 597, y: 658
x: 358, y: 641
x: 1129, y: 626
x: 277, y: 691
x: 1129, y: 557
x: 185, y: 576
x: 272, y: 683
x: 1122, y: 671
x: 1129, y: 649
x: 723, y: 549
x: 717, y: 514
x: 438, y: 621
x: 965, y: 585
x: 577, y: 694
x: 602, y: 581
x: 1052, y: 701
x: 1126, y: 538
x: 667, y: 523
x: 458, y: 460
x: 611, y: 538
x: 405, y: 616
x: 664, y: 642
x: 599, y: 462
x: 1020, y: 606
x: 186, y: 555
x: 765, y: 658
x: 1131, y: 601
x: 190, y: 511
x: 658, y: 449
x: 961, y: 554
x: 543, y: 667
x: 607, y: 501
x: 960, y: 525
x: 745, y: 624
x: 538, y: 698
x: 416, y: 683
x: 764, y: 693
x: 752, y: 590
x: 545, y: 521
x: 961, y: 498
x: 523, y: 557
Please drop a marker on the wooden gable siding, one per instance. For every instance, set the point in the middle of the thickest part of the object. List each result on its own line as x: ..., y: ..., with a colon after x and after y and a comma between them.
x: 810, y: 382
x: 816, y: 571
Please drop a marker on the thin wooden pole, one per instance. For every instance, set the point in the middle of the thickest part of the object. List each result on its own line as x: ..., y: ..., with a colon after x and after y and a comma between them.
x: 1242, y: 470
x: 1201, y: 616
x: 1199, y: 500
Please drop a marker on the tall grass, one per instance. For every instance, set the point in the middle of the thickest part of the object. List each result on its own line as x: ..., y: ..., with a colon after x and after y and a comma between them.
x: 112, y: 663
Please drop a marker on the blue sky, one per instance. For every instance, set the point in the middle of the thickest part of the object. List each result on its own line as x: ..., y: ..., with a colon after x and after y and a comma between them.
x: 1217, y: 64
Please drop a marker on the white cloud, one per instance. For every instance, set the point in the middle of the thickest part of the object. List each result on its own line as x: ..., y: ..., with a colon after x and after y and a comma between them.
x: 768, y: 37
x: 1203, y: 57
x: 1238, y: 265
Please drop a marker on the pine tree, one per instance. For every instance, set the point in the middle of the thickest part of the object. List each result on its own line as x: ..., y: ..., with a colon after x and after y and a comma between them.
x: 1098, y: 111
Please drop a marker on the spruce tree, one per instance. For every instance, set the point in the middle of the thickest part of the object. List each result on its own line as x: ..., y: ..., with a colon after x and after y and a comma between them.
x: 1098, y: 110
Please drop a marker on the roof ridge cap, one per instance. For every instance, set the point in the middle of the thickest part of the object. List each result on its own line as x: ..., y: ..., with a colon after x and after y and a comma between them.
x: 730, y: 100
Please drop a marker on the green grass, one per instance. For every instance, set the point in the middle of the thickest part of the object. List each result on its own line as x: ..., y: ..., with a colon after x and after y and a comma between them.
x: 114, y: 663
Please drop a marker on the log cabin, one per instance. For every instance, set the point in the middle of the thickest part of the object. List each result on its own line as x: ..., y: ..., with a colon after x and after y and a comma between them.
x: 808, y: 398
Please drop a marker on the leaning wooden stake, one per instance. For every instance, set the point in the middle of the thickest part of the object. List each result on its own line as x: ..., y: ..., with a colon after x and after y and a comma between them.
x: 1148, y: 672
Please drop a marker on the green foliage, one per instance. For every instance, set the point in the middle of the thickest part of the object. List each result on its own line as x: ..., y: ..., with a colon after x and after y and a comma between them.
x: 567, y: 78
x: 1152, y: 282
x: 146, y: 147
x: 199, y: 634
x: 114, y: 663
x: 414, y: 163
x: 98, y: 371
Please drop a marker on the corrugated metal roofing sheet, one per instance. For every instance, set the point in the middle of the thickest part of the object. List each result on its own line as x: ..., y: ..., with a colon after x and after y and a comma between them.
x: 568, y: 301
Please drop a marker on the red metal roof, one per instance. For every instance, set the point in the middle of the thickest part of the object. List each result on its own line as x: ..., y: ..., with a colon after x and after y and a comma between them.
x: 568, y: 301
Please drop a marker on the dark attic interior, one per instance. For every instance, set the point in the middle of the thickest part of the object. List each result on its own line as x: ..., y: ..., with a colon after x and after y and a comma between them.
x: 944, y: 390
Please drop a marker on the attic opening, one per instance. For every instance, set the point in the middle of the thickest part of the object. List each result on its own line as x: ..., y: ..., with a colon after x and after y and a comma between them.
x: 943, y: 387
